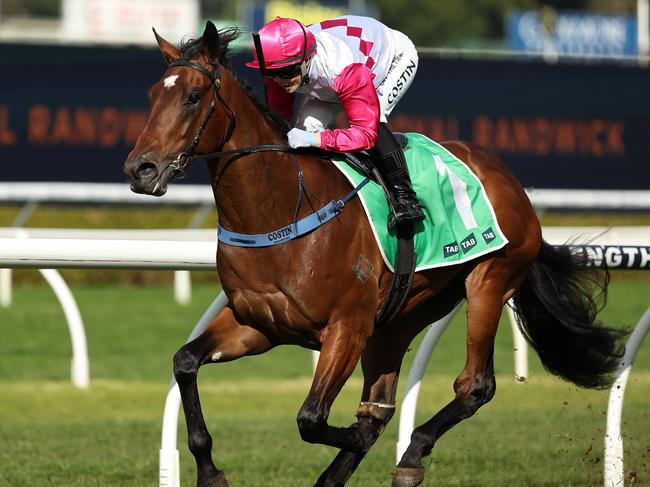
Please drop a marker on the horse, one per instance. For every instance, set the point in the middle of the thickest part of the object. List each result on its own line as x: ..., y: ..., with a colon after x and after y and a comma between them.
x: 306, y: 292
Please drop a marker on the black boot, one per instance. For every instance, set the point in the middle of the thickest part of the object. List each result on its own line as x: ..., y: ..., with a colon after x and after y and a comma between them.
x: 391, y: 163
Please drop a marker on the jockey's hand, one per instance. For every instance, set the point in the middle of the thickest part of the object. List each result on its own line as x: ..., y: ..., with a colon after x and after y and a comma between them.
x: 302, y: 138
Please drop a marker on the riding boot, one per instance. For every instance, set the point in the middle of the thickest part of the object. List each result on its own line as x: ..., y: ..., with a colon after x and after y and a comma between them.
x: 391, y: 163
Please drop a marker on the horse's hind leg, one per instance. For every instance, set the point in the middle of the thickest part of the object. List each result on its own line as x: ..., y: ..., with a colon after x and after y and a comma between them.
x: 475, y: 385
x: 224, y: 340
x: 380, y: 361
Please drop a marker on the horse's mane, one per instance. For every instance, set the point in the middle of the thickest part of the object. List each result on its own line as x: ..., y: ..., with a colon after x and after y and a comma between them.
x: 194, y: 47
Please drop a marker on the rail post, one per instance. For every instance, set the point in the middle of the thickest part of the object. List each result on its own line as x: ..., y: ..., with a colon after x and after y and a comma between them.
x: 614, y: 473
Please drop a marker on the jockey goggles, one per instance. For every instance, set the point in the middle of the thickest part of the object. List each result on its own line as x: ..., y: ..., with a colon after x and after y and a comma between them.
x: 284, y: 73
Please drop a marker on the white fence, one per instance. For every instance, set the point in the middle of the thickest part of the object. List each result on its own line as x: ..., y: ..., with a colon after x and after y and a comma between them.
x: 31, y: 195
x: 196, y: 195
x: 102, y: 193
x: 53, y: 249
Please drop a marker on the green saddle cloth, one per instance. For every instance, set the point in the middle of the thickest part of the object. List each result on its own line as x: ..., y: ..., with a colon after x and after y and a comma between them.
x: 460, y: 223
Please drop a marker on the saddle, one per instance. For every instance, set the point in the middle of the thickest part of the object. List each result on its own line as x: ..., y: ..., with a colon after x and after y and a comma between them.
x: 362, y: 160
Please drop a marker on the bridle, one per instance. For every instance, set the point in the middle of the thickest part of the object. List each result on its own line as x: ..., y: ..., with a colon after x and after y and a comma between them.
x: 185, y: 157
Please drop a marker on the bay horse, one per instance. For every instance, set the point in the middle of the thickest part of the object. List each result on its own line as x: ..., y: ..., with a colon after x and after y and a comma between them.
x: 306, y: 292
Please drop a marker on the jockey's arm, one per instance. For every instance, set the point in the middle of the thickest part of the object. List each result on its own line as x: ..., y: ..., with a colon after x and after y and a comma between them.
x: 358, y: 97
x: 278, y: 99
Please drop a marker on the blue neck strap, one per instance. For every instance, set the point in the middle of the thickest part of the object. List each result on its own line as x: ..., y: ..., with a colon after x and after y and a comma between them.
x: 294, y: 229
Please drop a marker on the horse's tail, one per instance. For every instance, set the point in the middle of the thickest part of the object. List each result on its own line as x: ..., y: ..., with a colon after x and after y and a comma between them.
x: 556, y: 308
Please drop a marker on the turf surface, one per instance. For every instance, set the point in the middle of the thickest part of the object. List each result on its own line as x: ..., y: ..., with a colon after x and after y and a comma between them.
x: 542, y: 433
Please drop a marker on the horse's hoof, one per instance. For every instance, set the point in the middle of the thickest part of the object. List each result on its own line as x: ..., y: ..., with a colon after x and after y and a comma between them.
x: 408, y: 477
x: 219, y: 481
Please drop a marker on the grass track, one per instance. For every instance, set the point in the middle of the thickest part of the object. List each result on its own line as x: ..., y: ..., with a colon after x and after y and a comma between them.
x: 543, y: 433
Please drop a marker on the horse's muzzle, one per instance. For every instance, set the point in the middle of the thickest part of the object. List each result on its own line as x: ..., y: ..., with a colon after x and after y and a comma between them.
x: 145, y: 177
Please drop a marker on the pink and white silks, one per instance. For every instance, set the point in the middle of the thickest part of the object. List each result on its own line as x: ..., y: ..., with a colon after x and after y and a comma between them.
x: 362, y: 68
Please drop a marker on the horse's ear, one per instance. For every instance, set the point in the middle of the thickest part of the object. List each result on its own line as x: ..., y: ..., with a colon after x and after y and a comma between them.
x: 211, y: 42
x: 169, y: 51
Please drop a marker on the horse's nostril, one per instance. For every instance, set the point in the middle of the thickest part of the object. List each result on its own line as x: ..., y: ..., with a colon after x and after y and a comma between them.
x: 146, y: 170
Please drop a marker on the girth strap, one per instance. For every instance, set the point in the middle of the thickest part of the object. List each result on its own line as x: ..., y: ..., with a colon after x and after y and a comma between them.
x: 404, y: 268
x: 400, y: 284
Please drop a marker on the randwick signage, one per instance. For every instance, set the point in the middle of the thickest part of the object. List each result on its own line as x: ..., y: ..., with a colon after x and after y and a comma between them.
x: 562, y: 126
x: 62, y: 125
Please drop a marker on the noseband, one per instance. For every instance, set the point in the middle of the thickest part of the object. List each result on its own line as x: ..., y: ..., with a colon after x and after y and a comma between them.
x: 187, y: 155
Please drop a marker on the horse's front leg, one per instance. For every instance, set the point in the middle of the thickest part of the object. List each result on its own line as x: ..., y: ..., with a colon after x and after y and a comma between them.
x: 372, y: 418
x: 343, y: 342
x: 381, y: 362
x: 224, y: 340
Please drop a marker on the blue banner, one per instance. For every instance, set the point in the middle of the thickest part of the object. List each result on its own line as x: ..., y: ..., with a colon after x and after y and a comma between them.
x: 574, y: 33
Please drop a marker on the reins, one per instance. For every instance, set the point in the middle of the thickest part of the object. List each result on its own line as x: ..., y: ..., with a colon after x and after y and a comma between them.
x: 244, y: 151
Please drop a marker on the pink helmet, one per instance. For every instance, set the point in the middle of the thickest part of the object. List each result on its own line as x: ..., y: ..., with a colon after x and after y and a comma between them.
x: 284, y: 42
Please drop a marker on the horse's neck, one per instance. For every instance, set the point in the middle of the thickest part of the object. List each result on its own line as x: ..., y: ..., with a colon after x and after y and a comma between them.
x: 258, y: 190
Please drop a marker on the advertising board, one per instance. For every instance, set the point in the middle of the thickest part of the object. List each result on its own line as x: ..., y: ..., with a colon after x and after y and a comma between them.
x: 73, y: 114
x: 548, y: 32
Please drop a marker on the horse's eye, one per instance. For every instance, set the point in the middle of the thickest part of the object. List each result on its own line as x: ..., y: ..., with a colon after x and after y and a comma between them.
x: 194, y: 98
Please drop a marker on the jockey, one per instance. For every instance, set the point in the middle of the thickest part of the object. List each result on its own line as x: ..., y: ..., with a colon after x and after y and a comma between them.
x: 349, y: 64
